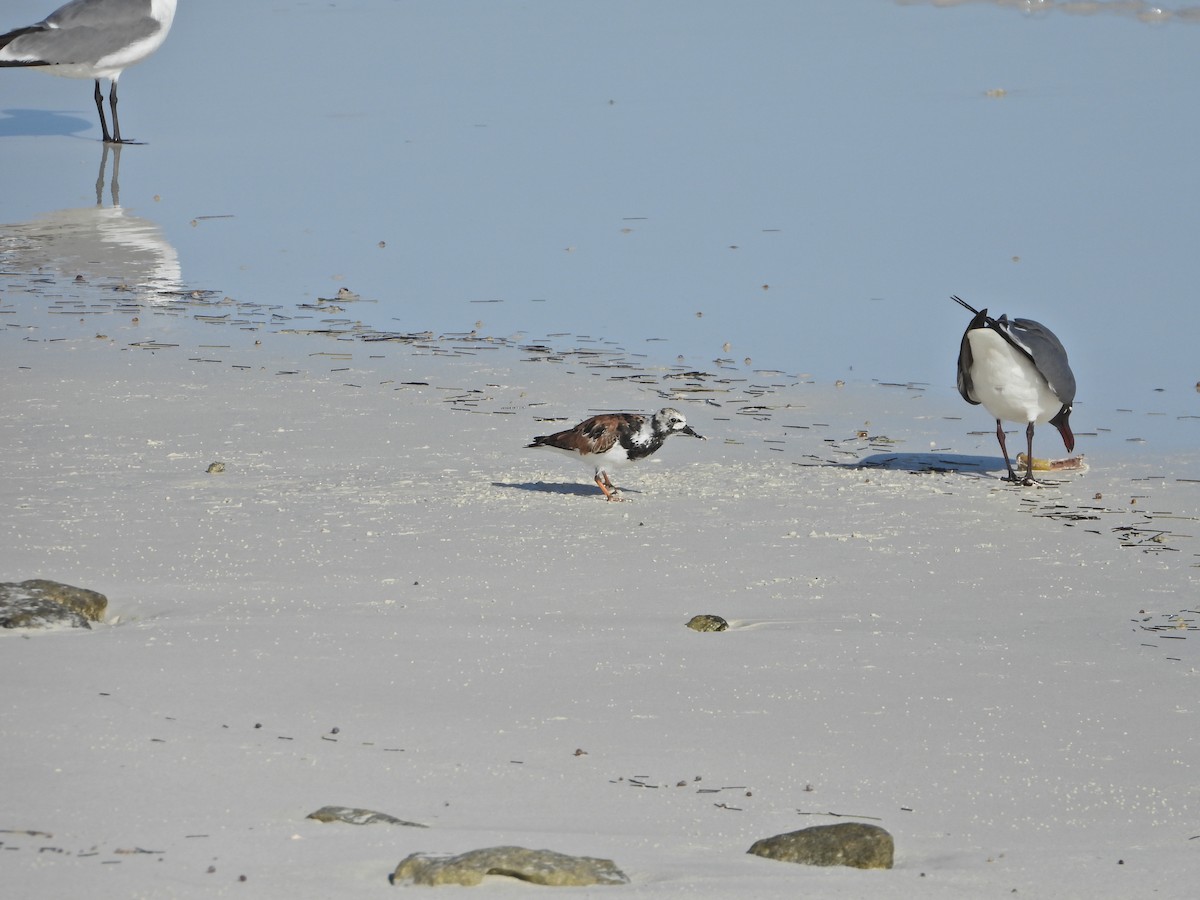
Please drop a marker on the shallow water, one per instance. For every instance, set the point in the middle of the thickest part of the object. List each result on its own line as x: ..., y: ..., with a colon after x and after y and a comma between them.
x: 800, y: 185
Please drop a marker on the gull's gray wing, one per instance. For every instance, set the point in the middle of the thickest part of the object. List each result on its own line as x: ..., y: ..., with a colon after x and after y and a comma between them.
x: 81, y: 33
x: 1047, y: 352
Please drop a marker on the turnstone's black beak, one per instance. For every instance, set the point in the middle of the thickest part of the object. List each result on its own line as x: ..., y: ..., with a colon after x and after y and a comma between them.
x: 687, y: 429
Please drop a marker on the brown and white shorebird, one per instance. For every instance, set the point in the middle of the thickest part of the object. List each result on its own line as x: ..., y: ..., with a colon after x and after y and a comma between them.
x: 616, y: 438
x: 1018, y: 370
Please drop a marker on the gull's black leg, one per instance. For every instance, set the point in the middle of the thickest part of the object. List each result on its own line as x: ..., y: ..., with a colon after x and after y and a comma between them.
x: 1029, y: 454
x: 112, y: 102
x: 100, y: 109
x: 1012, y: 476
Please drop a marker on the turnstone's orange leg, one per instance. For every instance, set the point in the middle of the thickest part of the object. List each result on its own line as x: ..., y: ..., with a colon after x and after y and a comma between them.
x: 606, y: 485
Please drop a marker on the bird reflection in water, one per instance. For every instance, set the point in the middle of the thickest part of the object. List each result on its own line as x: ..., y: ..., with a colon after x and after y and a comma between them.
x: 97, y: 245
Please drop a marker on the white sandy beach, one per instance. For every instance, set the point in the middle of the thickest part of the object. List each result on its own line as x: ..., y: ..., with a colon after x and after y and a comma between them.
x: 385, y: 602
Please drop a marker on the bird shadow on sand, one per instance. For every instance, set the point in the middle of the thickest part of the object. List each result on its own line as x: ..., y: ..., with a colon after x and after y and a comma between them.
x: 573, y: 489
x: 929, y: 462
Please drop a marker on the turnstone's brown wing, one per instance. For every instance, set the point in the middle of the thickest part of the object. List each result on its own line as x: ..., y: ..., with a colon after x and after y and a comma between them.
x: 592, y: 436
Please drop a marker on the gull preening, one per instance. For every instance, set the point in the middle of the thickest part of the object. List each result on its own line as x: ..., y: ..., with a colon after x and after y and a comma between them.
x: 91, y: 39
x: 1018, y: 370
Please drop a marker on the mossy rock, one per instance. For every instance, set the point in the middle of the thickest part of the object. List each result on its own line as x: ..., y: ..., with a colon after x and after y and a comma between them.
x: 855, y: 844
x: 707, y: 623
x: 38, y: 603
x: 535, y: 866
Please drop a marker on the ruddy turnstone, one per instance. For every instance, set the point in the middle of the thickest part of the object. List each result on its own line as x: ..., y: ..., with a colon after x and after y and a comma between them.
x: 92, y: 39
x: 1018, y: 370
x: 616, y: 438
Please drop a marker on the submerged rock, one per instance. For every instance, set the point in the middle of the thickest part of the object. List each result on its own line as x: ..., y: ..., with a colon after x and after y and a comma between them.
x: 353, y: 816
x: 38, y: 603
x: 535, y: 866
x: 707, y: 623
x: 855, y: 844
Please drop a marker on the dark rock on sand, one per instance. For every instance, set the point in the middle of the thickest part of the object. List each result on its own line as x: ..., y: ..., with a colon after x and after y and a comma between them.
x: 38, y: 603
x: 843, y: 844
x: 707, y: 623
x: 535, y: 866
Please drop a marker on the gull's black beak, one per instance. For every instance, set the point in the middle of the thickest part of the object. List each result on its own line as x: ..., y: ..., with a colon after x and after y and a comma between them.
x: 687, y: 429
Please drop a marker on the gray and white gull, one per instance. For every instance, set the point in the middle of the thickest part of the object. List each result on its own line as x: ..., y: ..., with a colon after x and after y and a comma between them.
x: 91, y: 39
x: 1018, y: 370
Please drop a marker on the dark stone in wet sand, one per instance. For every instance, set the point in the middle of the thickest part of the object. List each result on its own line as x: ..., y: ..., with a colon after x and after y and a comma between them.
x: 354, y: 816
x: 707, y: 623
x: 38, y: 603
x: 843, y: 844
x: 535, y: 866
